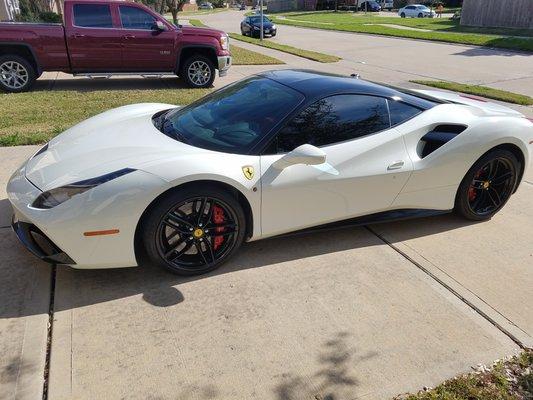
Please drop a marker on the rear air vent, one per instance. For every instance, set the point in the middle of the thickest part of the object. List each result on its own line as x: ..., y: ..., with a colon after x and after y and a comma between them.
x: 439, y: 136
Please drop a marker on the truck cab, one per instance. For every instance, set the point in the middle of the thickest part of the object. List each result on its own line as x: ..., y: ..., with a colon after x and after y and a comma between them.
x: 110, y: 37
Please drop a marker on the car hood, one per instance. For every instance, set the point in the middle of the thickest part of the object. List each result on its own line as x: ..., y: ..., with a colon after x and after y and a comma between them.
x: 200, y: 31
x: 266, y: 25
x: 124, y: 137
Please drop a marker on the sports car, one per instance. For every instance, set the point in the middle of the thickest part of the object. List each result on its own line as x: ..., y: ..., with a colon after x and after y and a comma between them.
x: 276, y: 152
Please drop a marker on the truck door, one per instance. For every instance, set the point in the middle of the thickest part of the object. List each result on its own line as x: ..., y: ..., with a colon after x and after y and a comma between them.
x: 93, y: 40
x: 145, y: 47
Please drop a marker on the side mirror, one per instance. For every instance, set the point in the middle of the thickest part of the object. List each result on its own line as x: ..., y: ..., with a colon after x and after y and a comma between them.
x: 304, y: 154
x: 159, y: 26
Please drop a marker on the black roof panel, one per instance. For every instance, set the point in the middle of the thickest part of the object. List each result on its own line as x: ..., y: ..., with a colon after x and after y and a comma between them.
x: 314, y: 84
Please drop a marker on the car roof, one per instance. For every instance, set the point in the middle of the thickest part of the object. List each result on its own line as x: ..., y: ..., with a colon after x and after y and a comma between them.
x: 315, y: 85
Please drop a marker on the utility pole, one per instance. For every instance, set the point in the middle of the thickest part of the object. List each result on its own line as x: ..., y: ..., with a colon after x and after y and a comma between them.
x: 261, y: 14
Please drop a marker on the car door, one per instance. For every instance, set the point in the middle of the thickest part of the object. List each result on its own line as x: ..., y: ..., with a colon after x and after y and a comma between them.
x: 411, y: 11
x: 366, y: 165
x: 93, y: 39
x: 145, y: 48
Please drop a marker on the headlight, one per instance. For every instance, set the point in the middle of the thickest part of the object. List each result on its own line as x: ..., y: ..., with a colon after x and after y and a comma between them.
x: 273, y: 27
x: 256, y: 28
x: 224, y: 42
x: 54, y: 197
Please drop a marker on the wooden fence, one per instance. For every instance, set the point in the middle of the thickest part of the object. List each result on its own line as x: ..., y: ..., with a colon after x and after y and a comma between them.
x: 498, y: 13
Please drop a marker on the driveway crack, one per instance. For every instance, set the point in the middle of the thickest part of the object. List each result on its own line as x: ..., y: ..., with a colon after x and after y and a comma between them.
x: 49, y: 334
x: 450, y: 289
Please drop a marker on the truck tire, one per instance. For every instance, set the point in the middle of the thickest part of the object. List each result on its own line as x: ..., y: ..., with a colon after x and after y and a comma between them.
x: 198, y: 72
x: 16, y: 74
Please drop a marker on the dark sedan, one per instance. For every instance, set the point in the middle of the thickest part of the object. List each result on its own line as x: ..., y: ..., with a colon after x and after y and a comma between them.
x: 251, y: 26
x: 369, y: 6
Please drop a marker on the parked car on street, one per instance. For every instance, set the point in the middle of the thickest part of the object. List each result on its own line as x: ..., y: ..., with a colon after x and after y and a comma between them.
x: 205, y: 6
x: 242, y: 7
x: 274, y: 153
x: 371, y: 6
x: 416, y: 11
x: 386, y: 4
x: 251, y: 26
x: 110, y: 37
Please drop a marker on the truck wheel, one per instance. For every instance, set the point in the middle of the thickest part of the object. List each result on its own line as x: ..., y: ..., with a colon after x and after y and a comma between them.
x: 198, y: 72
x: 16, y: 74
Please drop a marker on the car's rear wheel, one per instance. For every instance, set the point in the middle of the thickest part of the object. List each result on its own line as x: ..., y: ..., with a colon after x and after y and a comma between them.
x: 402, y: 15
x: 194, y: 230
x: 198, y: 72
x: 488, y: 185
x: 16, y: 74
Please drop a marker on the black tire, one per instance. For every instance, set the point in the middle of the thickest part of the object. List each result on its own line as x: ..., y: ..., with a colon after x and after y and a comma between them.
x: 402, y: 15
x: 420, y: 15
x: 24, y: 72
x: 155, y: 235
x: 195, y: 62
x: 475, y: 184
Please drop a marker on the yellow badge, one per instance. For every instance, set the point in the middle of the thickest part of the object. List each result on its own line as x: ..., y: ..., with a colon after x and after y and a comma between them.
x: 248, y: 171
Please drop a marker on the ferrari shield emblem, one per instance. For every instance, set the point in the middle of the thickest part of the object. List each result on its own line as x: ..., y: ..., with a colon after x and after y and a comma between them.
x: 248, y: 171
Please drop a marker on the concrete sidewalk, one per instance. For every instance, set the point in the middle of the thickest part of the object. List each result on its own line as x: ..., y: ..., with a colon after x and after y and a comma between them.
x: 24, y: 300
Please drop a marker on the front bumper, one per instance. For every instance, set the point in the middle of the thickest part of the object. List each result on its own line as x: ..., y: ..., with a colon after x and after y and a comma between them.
x: 224, y: 63
x: 39, y: 244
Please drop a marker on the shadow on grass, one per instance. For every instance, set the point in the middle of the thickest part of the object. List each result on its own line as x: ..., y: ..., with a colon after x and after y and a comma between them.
x: 82, y: 84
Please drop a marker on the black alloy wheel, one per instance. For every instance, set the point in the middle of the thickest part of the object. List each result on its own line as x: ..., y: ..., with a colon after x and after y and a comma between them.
x: 488, y: 185
x: 193, y: 233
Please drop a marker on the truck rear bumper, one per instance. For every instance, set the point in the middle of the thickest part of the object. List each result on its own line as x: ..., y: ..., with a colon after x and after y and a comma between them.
x: 224, y: 62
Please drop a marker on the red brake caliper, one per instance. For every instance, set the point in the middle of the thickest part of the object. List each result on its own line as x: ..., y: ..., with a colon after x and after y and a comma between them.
x: 218, y: 218
x: 471, y: 190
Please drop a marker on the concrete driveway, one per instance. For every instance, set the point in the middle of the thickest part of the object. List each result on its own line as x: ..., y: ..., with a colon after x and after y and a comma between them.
x: 353, y: 313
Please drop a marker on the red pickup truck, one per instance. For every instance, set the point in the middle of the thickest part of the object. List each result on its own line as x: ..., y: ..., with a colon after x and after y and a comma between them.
x: 101, y: 38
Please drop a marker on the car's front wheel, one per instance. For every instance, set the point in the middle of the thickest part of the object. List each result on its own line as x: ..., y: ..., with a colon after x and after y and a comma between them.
x: 420, y: 15
x: 402, y: 15
x: 198, y: 72
x: 193, y: 230
x: 16, y: 74
x: 488, y: 185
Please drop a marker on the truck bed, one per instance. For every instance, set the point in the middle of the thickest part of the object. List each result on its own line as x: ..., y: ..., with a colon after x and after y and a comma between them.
x: 46, y: 41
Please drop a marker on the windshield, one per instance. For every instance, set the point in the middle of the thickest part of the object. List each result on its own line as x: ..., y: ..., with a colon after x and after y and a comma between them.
x: 234, y: 118
x: 257, y: 20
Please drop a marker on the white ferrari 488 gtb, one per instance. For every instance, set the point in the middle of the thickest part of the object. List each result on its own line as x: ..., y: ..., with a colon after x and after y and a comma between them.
x: 276, y: 152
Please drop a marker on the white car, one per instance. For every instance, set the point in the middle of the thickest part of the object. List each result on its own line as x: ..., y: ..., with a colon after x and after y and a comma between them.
x: 386, y: 4
x: 277, y: 152
x: 416, y: 11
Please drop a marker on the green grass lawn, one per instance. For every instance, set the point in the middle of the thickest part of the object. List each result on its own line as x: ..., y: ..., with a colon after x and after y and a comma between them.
x: 482, y: 91
x: 244, y: 56
x: 311, y: 55
x: 36, y: 117
x: 439, y: 29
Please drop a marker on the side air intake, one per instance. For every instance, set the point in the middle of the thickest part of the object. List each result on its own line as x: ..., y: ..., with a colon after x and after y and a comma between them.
x: 439, y: 136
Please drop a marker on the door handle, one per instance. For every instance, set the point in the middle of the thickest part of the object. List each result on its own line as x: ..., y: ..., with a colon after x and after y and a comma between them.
x: 78, y: 35
x: 395, y: 165
x: 129, y: 37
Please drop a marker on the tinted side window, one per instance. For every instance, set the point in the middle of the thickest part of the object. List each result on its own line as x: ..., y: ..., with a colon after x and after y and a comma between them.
x: 92, y: 16
x: 335, y: 119
x: 401, y: 112
x: 135, y: 18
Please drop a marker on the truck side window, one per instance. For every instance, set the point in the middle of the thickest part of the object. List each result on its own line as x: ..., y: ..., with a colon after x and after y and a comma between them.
x: 92, y: 16
x: 135, y: 18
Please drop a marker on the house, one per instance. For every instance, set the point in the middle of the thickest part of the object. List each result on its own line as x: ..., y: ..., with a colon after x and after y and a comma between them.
x: 8, y: 9
x: 498, y: 13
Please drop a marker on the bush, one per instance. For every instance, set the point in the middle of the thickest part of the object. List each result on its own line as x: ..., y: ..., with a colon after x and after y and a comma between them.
x: 50, y: 16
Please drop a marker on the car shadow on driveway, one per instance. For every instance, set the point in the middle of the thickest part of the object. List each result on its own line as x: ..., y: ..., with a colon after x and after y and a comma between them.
x: 162, y: 289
